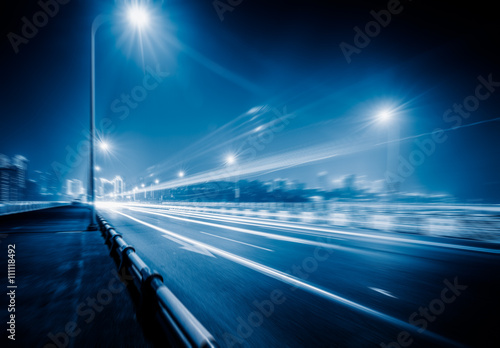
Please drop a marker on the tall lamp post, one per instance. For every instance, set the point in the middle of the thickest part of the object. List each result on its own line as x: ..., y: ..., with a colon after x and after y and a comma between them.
x: 153, y: 192
x: 231, y: 160
x: 388, y: 117
x: 139, y: 17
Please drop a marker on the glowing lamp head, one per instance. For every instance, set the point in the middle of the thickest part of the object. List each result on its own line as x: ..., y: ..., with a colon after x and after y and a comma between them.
x: 230, y: 159
x: 385, y: 115
x: 104, y: 146
x: 138, y: 16
x: 157, y: 181
x: 181, y: 174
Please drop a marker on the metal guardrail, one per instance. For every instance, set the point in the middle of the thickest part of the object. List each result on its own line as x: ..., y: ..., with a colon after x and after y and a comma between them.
x: 180, y: 326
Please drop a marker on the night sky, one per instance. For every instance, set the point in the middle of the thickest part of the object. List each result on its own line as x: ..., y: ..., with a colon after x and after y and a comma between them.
x: 284, y: 54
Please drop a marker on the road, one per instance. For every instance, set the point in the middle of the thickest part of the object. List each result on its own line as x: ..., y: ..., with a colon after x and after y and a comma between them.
x: 264, y: 283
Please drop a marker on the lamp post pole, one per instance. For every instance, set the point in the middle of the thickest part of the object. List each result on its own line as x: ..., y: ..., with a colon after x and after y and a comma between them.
x: 138, y: 16
x: 392, y: 125
x: 98, y: 21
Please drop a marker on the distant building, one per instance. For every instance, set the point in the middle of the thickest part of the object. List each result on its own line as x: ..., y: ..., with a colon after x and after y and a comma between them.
x: 283, y: 185
x: 74, y: 188
x: 350, y: 182
x: 110, y: 188
x: 13, y: 178
x: 118, y: 187
x: 5, y: 173
x: 106, y: 187
x: 291, y: 185
x: 323, y: 181
x: 279, y: 184
x: 48, y: 185
x: 268, y: 185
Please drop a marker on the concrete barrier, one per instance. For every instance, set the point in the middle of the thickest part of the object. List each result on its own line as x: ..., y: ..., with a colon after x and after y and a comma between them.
x: 21, y: 207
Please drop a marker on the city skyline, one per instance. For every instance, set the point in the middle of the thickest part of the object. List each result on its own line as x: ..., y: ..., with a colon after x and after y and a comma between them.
x: 118, y: 188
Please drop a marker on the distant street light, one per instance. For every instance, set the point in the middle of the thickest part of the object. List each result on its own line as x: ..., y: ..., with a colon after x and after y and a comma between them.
x: 231, y: 160
x: 385, y: 115
x: 388, y: 117
x: 181, y: 174
x: 139, y: 17
x: 153, y: 192
x: 104, y: 146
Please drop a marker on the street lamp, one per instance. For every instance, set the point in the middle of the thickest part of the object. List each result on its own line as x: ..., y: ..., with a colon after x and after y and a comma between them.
x: 385, y: 115
x: 139, y: 18
x: 231, y: 160
x: 153, y: 191
x: 104, y: 146
x: 181, y: 174
x: 388, y: 117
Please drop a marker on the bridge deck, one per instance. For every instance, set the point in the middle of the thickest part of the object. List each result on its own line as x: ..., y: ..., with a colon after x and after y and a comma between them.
x: 68, y: 292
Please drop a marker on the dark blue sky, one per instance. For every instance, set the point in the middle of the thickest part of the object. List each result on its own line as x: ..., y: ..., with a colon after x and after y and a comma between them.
x: 276, y: 53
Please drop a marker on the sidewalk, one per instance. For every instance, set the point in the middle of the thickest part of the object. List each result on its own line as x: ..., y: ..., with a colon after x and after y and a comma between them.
x: 68, y: 290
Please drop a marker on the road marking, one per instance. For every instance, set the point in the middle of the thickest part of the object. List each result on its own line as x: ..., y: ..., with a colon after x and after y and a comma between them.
x: 190, y: 247
x: 237, y: 241
x: 383, y: 292
x: 298, y: 283
x: 71, y: 231
x: 365, y: 235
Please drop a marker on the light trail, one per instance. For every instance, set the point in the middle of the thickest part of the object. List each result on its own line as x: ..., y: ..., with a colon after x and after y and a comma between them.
x: 237, y: 241
x: 258, y: 233
x: 293, y: 227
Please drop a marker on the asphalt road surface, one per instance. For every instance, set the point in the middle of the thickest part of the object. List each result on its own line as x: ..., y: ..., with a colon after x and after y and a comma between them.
x: 265, y: 283
x: 58, y: 268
